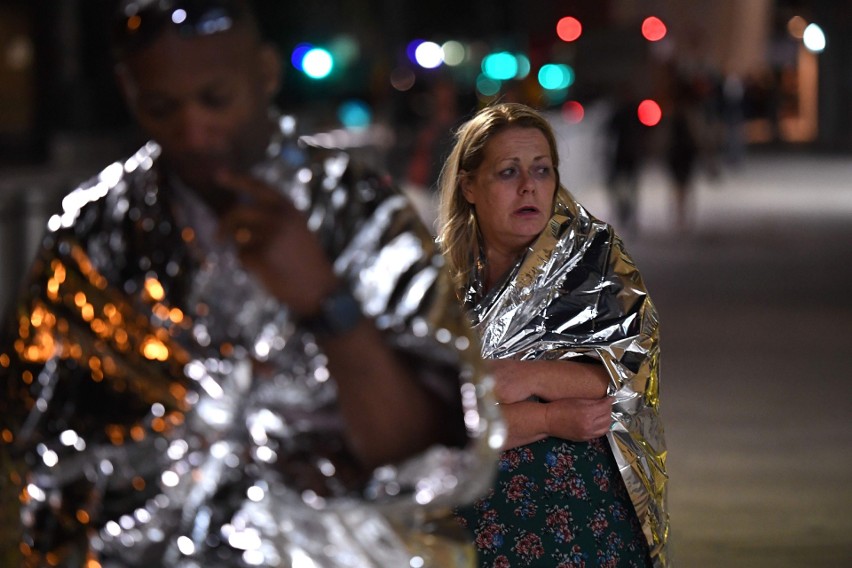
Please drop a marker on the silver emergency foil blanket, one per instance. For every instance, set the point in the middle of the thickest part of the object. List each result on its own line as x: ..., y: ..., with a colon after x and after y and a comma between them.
x: 577, y: 293
x: 163, y: 410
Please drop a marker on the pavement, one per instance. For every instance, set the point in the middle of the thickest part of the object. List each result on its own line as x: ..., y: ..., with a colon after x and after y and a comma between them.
x: 755, y: 304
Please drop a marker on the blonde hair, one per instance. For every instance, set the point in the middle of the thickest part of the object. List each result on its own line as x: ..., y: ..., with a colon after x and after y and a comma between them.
x: 458, y: 232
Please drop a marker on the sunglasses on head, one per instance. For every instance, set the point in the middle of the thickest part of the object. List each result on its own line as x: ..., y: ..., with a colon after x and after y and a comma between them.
x: 140, y: 22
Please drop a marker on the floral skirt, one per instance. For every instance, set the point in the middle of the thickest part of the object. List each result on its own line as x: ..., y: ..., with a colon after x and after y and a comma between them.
x: 557, y: 504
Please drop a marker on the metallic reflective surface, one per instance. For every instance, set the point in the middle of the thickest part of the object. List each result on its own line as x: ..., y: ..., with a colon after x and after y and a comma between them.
x: 164, y: 410
x: 577, y: 293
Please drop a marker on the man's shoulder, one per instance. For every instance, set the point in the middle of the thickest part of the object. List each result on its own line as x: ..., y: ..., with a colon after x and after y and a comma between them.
x: 82, y: 204
x: 136, y: 164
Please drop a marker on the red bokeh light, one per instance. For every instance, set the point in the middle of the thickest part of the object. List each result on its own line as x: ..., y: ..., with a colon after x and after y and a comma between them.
x: 649, y: 112
x: 569, y: 28
x: 653, y: 29
x: 573, y: 112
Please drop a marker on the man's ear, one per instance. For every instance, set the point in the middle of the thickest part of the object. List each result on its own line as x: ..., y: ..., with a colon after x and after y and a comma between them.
x: 270, y: 70
x: 127, y: 85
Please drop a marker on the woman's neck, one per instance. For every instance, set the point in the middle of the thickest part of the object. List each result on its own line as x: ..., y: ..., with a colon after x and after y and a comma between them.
x: 497, y: 264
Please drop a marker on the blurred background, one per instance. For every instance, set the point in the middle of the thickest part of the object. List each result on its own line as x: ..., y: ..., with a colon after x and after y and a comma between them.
x: 741, y: 107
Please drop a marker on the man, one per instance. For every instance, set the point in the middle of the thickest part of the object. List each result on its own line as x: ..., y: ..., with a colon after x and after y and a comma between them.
x: 236, y: 349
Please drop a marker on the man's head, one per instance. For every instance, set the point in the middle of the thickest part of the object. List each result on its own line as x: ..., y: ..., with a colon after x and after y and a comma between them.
x: 199, y: 81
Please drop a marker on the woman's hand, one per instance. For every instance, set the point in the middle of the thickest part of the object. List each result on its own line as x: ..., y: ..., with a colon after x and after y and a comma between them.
x: 578, y: 419
x: 575, y: 419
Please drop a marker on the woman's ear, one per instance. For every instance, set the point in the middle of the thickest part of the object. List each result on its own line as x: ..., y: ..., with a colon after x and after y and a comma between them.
x: 466, y: 183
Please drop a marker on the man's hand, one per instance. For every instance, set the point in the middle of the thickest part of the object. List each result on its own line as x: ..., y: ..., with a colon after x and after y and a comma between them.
x: 275, y: 244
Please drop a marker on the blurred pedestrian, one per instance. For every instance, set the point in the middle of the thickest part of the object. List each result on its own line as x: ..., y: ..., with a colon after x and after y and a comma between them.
x: 626, y: 138
x: 572, y: 335
x: 682, y: 153
x: 432, y: 141
x: 733, y: 112
x: 235, y: 348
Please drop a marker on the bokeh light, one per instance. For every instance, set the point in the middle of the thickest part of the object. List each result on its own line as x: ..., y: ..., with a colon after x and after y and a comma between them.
x: 796, y: 26
x: 500, y: 66
x: 454, y: 53
x: 569, y: 28
x: 573, y: 112
x: 402, y: 78
x: 653, y: 29
x: 649, y: 112
x: 411, y: 49
x: 524, y: 66
x: 317, y: 63
x: 345, y: 49
x: 814, y: 38
x: 554, y: 97
x: 354, y: 113
x: 555, y: 76
x: 487, y: 86
x: 429, y: 55
x: 298, y: 54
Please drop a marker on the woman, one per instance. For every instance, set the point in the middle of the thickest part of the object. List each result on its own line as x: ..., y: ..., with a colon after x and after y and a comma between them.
x: 563, y: 312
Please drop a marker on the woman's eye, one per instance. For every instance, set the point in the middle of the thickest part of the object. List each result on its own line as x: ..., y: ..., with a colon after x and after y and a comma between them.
x: 507, y: 173
x: 542, y: 172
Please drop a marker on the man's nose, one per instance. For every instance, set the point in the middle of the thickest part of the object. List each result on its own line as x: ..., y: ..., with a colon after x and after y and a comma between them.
x: 194, y: 128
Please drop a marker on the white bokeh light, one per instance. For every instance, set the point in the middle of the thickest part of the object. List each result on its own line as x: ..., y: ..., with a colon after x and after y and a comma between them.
x: 429, y: 55
x: 814, y: 38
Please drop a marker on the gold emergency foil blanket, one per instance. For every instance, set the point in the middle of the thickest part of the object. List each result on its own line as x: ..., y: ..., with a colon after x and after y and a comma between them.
x: 162, y: 409
x: 577, y: 293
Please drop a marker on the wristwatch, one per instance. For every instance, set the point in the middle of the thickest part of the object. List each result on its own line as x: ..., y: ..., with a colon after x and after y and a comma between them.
x: 339, y: 313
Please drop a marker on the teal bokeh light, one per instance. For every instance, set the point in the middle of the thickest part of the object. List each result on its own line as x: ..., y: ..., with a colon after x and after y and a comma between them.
x: 354, y: 114
x: 500, y: 66
x: 555, y: 76
x: 487, y: 86
x: 524, y: 66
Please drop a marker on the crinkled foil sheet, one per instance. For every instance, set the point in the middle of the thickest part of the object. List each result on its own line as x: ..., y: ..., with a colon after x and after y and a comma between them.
x: 162, y: 410
x: 577, y: 293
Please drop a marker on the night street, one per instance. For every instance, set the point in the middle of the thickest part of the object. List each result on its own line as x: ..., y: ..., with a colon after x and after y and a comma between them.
x: 756, y: 312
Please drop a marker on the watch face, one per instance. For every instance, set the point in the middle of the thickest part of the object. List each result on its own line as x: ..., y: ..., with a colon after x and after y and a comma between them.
x: 340, y: 313
x: 343, y: 312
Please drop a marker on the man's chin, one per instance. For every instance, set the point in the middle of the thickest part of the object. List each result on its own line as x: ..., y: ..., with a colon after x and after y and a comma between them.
x: 199, y: 174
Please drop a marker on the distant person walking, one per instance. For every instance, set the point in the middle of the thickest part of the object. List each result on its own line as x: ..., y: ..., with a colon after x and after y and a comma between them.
x: 682, y: 153
x: 626, y: 142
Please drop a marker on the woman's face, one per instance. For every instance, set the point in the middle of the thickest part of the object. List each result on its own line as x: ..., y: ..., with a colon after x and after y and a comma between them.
x: 512, y: 190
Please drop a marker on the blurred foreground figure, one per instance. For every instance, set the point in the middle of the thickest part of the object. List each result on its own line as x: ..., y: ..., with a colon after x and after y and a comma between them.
x: 235, y: 348
x: 572, y: 333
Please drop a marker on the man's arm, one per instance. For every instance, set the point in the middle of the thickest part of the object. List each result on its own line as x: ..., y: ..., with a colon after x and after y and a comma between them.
x: 389, y: 414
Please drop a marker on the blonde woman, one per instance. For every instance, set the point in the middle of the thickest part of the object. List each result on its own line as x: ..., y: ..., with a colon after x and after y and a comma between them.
x: 562, y: 312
